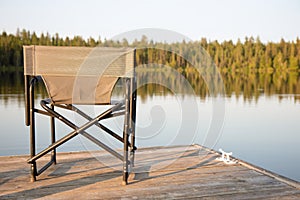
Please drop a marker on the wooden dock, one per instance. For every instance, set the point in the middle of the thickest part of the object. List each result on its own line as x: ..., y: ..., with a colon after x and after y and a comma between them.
x: 160, y: 173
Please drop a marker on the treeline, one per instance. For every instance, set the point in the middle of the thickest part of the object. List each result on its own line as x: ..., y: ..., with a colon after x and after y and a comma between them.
x: 249, y: 56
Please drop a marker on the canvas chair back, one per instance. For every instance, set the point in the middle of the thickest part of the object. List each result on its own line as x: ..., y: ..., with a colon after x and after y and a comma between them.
x: 79, y: 75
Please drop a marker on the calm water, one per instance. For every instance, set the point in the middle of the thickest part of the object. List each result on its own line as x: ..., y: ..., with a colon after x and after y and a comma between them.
x: 262, y: 128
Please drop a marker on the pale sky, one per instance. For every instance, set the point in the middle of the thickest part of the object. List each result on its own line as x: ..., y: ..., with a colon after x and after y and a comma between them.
x: 213, y: 19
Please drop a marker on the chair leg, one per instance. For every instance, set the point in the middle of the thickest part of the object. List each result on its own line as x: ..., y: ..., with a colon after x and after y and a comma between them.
x: 133, y: 94
x: 33, y: 167
x: 125, y: 161
x: 126, y: 131
x: 52, y: 124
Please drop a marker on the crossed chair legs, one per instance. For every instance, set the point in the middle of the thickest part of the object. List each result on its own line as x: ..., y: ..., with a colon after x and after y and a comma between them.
x: 121, y: 108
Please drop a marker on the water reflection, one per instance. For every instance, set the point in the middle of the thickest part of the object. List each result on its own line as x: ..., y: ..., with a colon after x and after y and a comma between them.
x: 249, y: 86
x: 12, y: 87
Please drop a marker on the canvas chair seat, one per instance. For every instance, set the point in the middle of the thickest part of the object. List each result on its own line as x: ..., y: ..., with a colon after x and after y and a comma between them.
x: 80, y: 75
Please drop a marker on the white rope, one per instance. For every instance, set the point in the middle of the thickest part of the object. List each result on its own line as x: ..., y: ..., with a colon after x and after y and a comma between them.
x: 225, y: 157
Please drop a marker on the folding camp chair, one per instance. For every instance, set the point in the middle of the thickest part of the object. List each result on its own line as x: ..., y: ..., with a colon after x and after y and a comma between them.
x: 80, y: 75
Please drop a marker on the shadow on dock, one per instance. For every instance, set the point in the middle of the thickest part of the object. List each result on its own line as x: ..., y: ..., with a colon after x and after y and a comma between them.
x: 160, y: 173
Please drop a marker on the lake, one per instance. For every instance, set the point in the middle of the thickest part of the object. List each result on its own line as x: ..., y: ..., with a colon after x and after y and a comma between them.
x: 260, y: 123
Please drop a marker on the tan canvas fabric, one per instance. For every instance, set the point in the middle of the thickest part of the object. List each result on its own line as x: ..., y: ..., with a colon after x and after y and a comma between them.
x: 90, y: 90
x: 80, y: 75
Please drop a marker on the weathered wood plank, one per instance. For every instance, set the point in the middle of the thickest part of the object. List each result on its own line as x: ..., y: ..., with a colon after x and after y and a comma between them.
x: 160, y: 173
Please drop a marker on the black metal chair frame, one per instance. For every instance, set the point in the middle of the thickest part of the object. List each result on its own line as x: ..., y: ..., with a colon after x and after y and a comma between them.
x: 126, y: 107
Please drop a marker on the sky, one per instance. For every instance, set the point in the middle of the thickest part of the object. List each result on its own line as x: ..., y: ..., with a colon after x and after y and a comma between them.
x: 213, y: 19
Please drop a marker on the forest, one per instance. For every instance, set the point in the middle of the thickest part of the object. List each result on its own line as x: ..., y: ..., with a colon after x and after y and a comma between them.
x: 250, y: 55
